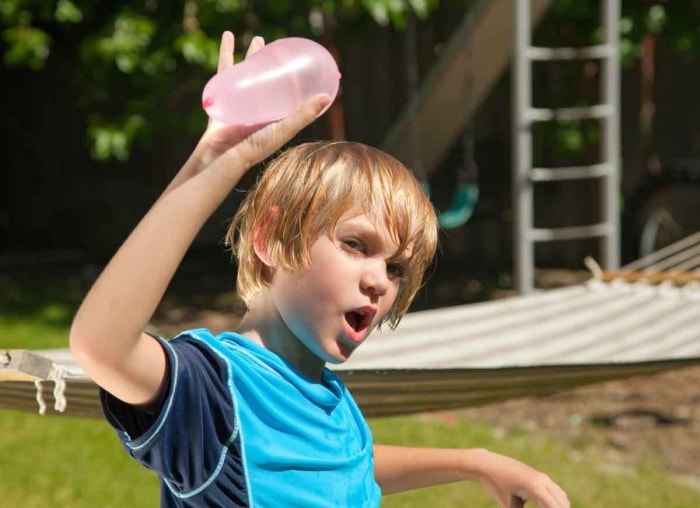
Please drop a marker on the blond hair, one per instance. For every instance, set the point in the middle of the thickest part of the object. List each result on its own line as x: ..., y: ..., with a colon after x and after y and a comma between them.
x: 303, y: 193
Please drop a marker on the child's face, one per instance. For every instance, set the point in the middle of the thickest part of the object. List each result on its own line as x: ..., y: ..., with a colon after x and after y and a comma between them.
x: 350, y: 286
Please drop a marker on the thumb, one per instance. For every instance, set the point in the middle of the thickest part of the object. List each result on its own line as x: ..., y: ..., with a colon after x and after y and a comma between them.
x: 314, y: 107
x: 319, y: 103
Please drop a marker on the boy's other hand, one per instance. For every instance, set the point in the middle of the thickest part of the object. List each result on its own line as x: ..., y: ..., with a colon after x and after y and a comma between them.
x: 513, y: 484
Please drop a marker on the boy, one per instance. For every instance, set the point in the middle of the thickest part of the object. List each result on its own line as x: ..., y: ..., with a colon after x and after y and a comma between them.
x: 333, y: 241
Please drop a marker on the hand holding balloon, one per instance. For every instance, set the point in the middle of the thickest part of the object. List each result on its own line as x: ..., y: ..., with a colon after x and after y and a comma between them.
x: 272, y: 83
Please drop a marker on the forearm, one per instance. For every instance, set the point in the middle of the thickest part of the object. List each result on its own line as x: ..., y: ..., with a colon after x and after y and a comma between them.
x: 199, y: 159
x: 511, y: 482
x: 108, y: 326
x: 126, y: 294
x: 399, y: 468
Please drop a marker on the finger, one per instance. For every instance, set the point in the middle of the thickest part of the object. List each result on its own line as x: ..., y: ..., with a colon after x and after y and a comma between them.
x: 256, y: 44
x: 551, y: 496
x: 226, y: 51
x: 312, y: 108
x: 271, y: 138
x: 559, y: 495
x: 547, y: 500
x: 516, y: 502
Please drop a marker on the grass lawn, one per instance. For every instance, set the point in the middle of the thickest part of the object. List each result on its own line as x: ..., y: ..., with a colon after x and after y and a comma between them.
x: 55, y: 461
x: 582, y: 474
x: 37, y: 314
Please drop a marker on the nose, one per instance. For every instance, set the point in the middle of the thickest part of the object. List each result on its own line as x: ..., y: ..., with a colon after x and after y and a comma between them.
x: 374, y: 279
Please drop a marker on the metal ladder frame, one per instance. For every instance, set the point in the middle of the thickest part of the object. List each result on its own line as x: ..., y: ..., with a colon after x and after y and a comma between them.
x: 525, y: 234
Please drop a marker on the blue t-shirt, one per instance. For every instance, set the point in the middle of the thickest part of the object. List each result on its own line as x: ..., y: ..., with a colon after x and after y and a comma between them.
x: 238, y: 426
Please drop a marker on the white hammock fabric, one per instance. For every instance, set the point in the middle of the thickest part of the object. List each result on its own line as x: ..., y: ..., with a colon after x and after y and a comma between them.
x: 646, y: 319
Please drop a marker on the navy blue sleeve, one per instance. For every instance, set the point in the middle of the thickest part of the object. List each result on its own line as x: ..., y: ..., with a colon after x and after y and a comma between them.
x: 193, y: 426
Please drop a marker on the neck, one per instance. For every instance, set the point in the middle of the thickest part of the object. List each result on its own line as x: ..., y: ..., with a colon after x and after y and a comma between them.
x: 263, y: 325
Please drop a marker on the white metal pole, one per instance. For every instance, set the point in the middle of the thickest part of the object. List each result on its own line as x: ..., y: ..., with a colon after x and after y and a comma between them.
x: 522, y: 199
x: 610, y: 139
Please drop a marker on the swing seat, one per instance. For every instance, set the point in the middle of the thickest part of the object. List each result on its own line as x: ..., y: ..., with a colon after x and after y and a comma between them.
x: 463, y: 204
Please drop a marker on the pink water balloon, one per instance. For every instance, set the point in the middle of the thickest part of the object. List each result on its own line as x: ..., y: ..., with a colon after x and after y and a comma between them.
x: 272, y: 83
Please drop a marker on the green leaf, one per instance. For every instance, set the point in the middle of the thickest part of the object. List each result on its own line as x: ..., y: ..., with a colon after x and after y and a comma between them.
x: 128, y: 42
x: 112, y: 141
x: 626, y: 25
x: 685, y: 44
x: 68, y: 12
x: 27, y: 46
x: 378, y: 10
x: 228, y: 6
x: 629, y: 51
x: 9, y: 9
x: 656, y: 18
x: 197, y: 48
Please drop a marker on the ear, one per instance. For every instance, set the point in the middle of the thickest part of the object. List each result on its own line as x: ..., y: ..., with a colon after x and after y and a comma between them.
x: 261, y: 236
x: 260, y: 245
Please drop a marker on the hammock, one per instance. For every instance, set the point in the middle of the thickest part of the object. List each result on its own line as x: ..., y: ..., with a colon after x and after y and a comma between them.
x: 641, y: 320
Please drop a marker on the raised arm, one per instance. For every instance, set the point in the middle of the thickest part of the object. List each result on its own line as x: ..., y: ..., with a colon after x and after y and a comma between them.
x: 512, y: 483
x: 106, y: 336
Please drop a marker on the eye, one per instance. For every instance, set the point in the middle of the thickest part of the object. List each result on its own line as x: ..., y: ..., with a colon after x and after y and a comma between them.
x: 353, y: 244
x: 396, y: 270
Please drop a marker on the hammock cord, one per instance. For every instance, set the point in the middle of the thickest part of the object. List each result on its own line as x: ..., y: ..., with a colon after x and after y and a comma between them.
x: 57, y: 374
x: 658, y: 260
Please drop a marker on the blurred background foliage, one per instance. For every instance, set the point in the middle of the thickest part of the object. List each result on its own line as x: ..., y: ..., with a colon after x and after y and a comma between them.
x: 578, y: 24
x: 120, y: 82
x: 158, y: 44
x: 169, y: 46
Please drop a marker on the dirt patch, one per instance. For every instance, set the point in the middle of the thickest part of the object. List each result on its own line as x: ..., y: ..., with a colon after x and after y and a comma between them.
x: 632, y: 420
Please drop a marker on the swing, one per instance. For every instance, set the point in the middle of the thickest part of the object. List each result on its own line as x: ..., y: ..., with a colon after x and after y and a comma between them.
x: 466, y: 193
x: 464, y: 198
x: 462, y: 208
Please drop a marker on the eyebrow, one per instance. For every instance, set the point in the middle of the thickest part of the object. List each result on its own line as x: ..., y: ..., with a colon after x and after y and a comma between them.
x: 363, y: 227
x: 370, y: 231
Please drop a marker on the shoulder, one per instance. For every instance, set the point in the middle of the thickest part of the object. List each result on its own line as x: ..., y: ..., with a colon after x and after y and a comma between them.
x: 196, y: 376
x: 196, y: 348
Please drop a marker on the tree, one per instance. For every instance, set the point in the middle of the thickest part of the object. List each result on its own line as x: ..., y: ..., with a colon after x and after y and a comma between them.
x: 137, y: 58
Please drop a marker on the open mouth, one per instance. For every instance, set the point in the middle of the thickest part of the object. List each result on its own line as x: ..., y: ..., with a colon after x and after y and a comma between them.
x: 359, y: 321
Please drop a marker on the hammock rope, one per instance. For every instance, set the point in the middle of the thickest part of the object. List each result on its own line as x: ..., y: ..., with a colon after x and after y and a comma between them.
x: 685, y: 248
x: 678, y: 264
x: 57, y: 374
